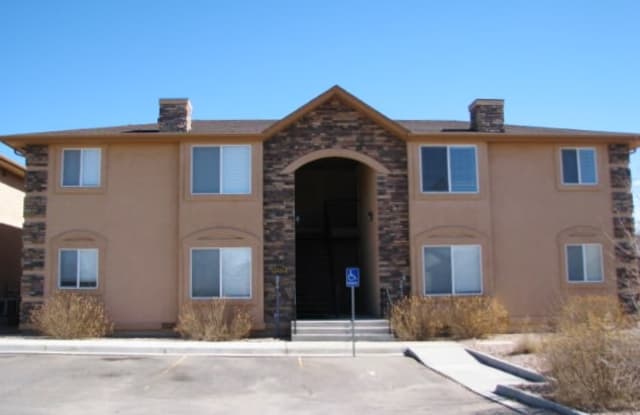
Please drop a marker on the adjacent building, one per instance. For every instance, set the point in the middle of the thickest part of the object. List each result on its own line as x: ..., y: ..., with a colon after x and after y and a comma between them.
x: 269, y: 213
x: 11, y: 200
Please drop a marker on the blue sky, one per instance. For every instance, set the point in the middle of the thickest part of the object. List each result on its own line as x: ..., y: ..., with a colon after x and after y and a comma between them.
x: 78, y: 64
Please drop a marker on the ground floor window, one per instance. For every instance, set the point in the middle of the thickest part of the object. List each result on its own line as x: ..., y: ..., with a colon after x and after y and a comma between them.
x: 221, y: 272
x: 78, y: 268
x: 452, y: 269
x: 584, y: 263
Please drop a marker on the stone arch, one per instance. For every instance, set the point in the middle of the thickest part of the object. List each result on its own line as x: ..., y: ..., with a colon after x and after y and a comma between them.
x: 339, y: 153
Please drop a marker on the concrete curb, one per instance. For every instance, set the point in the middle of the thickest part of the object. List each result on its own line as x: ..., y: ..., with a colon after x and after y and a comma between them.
x: 536, y: 401
x: 508, y: 367
x: 275, y: 348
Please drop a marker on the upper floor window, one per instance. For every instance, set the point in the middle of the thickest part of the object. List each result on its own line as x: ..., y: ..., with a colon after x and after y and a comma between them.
x: 449, y: 169
x: 584, y: 263
x: 78, y: 268
x: 579, y: 166
x: 221, y: 272
x: 221, y: 169
x: 81, y: 167
x: 452, y: 269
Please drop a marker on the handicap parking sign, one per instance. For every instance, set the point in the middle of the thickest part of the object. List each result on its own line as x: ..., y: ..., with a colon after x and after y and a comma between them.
x: 353, y: 277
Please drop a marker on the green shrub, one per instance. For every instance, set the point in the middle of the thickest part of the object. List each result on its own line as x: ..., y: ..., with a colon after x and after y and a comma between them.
x: 422, y: 318
x: 68, y: 315
x: 213, y: 321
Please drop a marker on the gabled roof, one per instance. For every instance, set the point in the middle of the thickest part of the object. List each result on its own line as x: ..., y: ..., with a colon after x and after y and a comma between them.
x: 350, y: 100
x: 259, y: 130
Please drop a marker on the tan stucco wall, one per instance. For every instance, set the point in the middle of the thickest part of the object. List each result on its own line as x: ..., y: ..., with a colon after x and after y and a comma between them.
x: 521, y: 217
x: 144, y: 220
x: 11, y: 200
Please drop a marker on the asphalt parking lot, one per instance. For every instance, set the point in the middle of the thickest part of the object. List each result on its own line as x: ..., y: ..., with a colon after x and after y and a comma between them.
x: 67, y: 384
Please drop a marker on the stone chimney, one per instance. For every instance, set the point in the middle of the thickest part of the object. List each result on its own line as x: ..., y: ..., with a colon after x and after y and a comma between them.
x: 487, y: 115
x: 175, y: 115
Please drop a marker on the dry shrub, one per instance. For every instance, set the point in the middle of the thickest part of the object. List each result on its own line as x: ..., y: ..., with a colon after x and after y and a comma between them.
x: 422, y: 318
x: 526, y: 344
x: 592, y: 311
x: 213, y: 321
x: 594, y: 363
x: 69, y: 315
x: 477, y: 317
x: 417, y: 318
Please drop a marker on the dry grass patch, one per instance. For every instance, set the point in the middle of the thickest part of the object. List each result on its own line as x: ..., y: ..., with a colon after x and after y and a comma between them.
x: 72, y: 316
x: 213, y: 321
x: 526, y: 344
x: 594, y: 363
x: 422, y: 318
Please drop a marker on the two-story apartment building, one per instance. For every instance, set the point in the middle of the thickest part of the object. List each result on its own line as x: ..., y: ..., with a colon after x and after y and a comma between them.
x: 152, y: 216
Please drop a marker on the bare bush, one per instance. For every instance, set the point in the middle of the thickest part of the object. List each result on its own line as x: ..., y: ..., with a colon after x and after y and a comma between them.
x: 69, y: 315
x: 592, y: 311
x: 417, y: 318
x: 594, y: 363
x: 527, y: 344
x: 213, y: 321
x: 477, y: 317
x: 422, y: 318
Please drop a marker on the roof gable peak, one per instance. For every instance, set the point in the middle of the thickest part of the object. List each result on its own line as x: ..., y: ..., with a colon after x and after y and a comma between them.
x: 350, y: 100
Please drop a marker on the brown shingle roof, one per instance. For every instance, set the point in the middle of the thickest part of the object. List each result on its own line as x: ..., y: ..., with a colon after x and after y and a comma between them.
x: 258, y: 126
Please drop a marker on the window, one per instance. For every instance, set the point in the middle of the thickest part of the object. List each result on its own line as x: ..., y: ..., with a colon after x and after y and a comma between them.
x: 448, y: 169
x: 579, y: 166
x: 81, y: 167
x: 454, y: 269
x: 78, y: 268
x: 584, y: 263
x: 220, y: 272
x: 221, y: 170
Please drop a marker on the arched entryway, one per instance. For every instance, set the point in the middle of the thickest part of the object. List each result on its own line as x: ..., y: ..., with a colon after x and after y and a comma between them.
x: 335, y: 228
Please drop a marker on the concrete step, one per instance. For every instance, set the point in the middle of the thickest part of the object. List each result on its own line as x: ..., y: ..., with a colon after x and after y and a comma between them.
x: 340, y: 330
x: 382, y: 337
x: 341, y: 323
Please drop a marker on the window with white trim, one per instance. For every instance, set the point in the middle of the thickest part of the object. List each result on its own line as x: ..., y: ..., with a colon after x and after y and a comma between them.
x: 448, y: 169
x: 221, y: 272
x: 452, y: 269
x: 221, y: 169
x: 579, y: 166
x: 584, y: 263
x: 81, y: 167
x: 78, y: 268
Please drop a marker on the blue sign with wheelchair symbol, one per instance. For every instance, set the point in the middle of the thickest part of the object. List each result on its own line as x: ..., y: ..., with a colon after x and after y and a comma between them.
x: 353, y: 277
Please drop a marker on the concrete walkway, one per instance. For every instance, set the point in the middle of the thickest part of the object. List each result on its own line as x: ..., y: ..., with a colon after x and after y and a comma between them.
x: 450, y: 359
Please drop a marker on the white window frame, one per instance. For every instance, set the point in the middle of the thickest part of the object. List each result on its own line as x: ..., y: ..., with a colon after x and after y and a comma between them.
x: 595, y: 166
x: 220, y: 297
x: 584, y: 263
x: 448, y: 147
x: 453, y: 281
x: 80, y: 176
x: 222, y: 146
x: 78, y: 287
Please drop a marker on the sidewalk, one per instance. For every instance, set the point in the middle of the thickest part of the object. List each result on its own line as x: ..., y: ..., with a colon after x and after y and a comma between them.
x: 145, y: 346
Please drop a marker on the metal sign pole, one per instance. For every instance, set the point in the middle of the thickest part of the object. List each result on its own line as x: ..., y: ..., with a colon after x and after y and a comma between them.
x: 353, y: 321
x: 277, y: 306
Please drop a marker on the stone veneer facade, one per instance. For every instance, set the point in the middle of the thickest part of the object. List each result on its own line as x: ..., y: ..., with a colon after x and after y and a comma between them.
x: 332, y: 125
x: 626, y: 247
x: 34, y: 230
